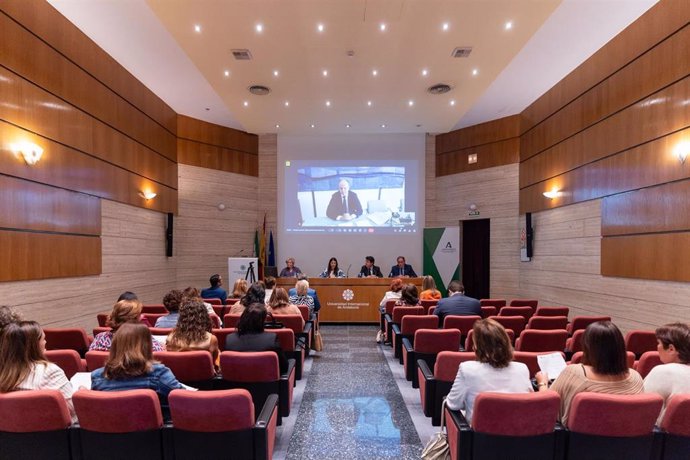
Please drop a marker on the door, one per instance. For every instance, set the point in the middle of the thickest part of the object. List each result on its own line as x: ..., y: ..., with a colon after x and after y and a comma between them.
x: 475, y: 257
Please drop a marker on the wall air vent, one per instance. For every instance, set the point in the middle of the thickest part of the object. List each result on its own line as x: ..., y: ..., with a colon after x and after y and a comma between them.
x: 439, y: 88
x: 462, y: 52
x: 259, y: 90
x: 241, y: 55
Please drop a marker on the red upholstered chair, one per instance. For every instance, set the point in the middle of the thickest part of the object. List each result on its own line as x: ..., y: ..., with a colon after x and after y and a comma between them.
x: 647, y: 362
x: 529, y: 359
x: 67, y: 339
x: 629, y: 359
x: 574, y: 343
x: 552, y: 311
x: 427, y: 344
x: 231, y: 301
x: 524, y: 303
x: 469, y: 341
x: 524, y: 311
x: 207, y: 424
x: 303, y: 331
x: 157, y: 308
x: 640, y: 341
x: 96, y: 359
x: 546, y: 323
x: 398, y: 313
x: 258, y: 373
x: 516, y: 323
x: 304, y: 309
x: 215, y: 320
x: 160, y: 331
x: 431, y: 310
x: 220, y: 310
x: 489, y: 310
x: 102, y: 319
x: 68, y: 360
x: 538, y: 340
x: 676, y: 425
x: 462, y: 323
x: 151, y: 318
x: 435, y: 386
x: 214, y: 301
x: 614, y: 426
x: 193, y: 368
x: 498, y: 303
x: 428, y: 304
x: 409, y: 324
x: 34, y: 425
x: 119, y: 424
x: 581, y: 322
x: 286, y: 337
x: 231, y: 320
x: 506, y: 425
x: 222, y: 336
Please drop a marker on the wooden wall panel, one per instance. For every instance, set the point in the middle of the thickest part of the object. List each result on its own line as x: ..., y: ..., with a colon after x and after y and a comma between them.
x: 656, y: 256
x: 31, y: 206
x: 483, y: 133
x: 210, y: 156
x: 488, y: 156
x: 29, y: 255
x: 221, y: 136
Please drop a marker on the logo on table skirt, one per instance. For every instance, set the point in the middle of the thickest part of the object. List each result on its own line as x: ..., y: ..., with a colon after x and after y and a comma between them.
x: 348, y: 294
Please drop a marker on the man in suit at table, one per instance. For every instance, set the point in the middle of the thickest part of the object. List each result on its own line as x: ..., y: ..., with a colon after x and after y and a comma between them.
x: 344, y: 204
x: 369, y: 270
x: 402, y: 269
x: 457, y: 303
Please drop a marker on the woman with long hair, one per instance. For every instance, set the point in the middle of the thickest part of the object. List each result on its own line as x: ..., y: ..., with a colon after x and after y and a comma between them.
x: 24, y: 366
x: 279, y: 304
x: 332, y: 270
x: 494, y: 369
x: 193, y: 331
x: 130, y: 365
x: 409, y: 296
x: 429, y: 291
x: 239, y: 289
x: 124, y: 311
x: 254, y: 294
x: 604, y: 368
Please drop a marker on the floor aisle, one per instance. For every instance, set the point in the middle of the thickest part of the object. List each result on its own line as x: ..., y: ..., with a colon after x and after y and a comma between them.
x: 351, y: 407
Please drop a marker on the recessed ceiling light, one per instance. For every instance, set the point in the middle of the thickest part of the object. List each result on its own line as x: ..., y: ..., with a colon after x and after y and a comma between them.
x: 348, y: 125
x: 324, y: 73
x: 475, y: 71
x: 369, y: 103
x: 276, y: 73
x: 328, y: 103
x: 277, y: 126
x: 197, y: 28
x: 319, y: 27
x: 509, y: 25
x: 374, y: 72
x: 259, y: 28
x: 452, y: 102
x: 312, y: 125
x: 410, y: 102
x: 445, y: 26
x: 246, y: 103
x: 287, y: 103
x: 226, y: 73
x: 425, y: 73
x: 382, y: 27
x: 383, y: 126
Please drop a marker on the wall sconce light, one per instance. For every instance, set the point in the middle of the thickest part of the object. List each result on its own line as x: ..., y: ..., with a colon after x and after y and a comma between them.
x: 553, y: 193
x: 681, y: 151
x: 472, y: 207
x: 471, y: 158
x: 29, y: 151
x: 147, y: 195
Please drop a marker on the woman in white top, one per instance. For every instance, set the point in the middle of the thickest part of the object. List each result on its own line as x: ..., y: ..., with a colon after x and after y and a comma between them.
x: 24, y: 366
x: 673, y: 376
x: 494, y: 370
x: 394, y: 293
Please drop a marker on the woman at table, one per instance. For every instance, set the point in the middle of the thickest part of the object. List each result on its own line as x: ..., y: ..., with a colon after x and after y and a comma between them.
x: 332, y: 271
x: 290, y: 271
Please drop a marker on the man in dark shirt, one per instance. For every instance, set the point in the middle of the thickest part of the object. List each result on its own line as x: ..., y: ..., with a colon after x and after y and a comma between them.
x: 215, y: 291
x: 369, y: 270
x: 344, y: 204
x: 457, y: 303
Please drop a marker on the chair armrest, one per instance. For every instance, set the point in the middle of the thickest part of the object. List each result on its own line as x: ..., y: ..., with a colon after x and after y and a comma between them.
x: 290, y: 369
x: 423, y: 366
x: 407, y: 345
x: 396, y: 328
x: 270, y: 405
x: 387, y: 317
x: 458, y: 419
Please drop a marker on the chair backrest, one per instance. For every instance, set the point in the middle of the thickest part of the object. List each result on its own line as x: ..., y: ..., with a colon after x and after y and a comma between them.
x: 498, y: 303
x: 524, y: 303
x: 160, y: 330
x: 614, y: 415
x: 547, y: 322
x: 505, y: 414
x: 538, y: 340
x: 246, y: 366
x: 469, y: 341
x: 33, y: 411
x: 389, y: 306
x: 102, y: 319
x: 152, y: 317
x: 304, y: 309
x: 99, y: 329
x: 66, y: 339
x: 127, y: 411
x: 629, y: 358
x: 647, y: 362
x: 462, y: 323
x: 516, y: 323
x: 431, y: 310
x: 188, y: 366
x: 400, y: 312
x: 68, y: 360
x: 640, y: 341
x: 293, y: 322
x: 489, y: 310
x: 447, y: 363
x: 428, y: 304
x: 552, y: 311
x: 211, y: 411
x: 432, y: 341
x: 529, y: 359
x: 213, y: 301
x: 524, y: 311
x: 231, y: 320
x: 411, y: 323
x: 574, y: 343
x: 158, y: 308
x: 581, y: 322
x: 222, y: 335
x: 677, y: 416
x: 96, y: 359
x: 286, y: 337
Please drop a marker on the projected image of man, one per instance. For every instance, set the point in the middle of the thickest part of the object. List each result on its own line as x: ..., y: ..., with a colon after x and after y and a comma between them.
x: 344, y: 204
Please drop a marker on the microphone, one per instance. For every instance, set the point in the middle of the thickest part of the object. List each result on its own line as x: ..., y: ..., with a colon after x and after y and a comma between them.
x: 347, y: 275
x: 239, y: 253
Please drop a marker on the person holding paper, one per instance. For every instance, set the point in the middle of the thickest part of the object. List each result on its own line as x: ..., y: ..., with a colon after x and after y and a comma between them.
x: 604, y: 368
x: 494, y: 369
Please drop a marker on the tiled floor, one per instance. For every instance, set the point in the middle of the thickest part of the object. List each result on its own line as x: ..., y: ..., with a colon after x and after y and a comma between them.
x: 351, y: 406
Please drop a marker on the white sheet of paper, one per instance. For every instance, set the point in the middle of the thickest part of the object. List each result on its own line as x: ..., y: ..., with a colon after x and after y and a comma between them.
x: 187, y: 387
x: 553, y: 364
x: 160, y: 339
x: 81, y: 379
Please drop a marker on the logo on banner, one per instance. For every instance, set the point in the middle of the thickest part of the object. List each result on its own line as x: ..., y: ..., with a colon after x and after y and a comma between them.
x: 348, y: 294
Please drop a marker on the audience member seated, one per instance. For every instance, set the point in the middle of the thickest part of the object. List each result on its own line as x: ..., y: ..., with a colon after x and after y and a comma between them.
x: 250, y: 335
x: 128, y: 295
x: 409, y: 296
x: 124, y: 311
x: 332, y: 270
x: 310, y: 291
x: 673, y: 376
x: 255, y: 294
x: 171, y: 301
x: 239, y: 289
x: 24, y: 366
x: 8, y: 315
x: 392, y: 294
x: 269, y: 285
x: 193, y: 331
x: 302, y: 297
x: 215, y: 291
x: 604, y: 368
x: 280, y: 304
x: 429, y: 291
x: 290, y: 271
x: 193, y: 293
x: 494, y: 370
x: 130, y: 365
x: 457, y: 303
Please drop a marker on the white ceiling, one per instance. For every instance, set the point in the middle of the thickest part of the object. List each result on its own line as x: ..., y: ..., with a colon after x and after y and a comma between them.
x: 156, y: 41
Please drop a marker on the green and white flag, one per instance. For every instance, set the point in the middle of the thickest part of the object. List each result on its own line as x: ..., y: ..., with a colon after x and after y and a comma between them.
x: 442, y: 255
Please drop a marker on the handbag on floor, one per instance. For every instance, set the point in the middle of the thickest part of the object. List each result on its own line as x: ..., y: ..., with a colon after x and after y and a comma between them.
x: 437, y: 448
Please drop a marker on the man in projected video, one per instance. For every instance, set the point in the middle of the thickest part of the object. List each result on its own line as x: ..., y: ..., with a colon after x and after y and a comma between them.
x: 344, y: 204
